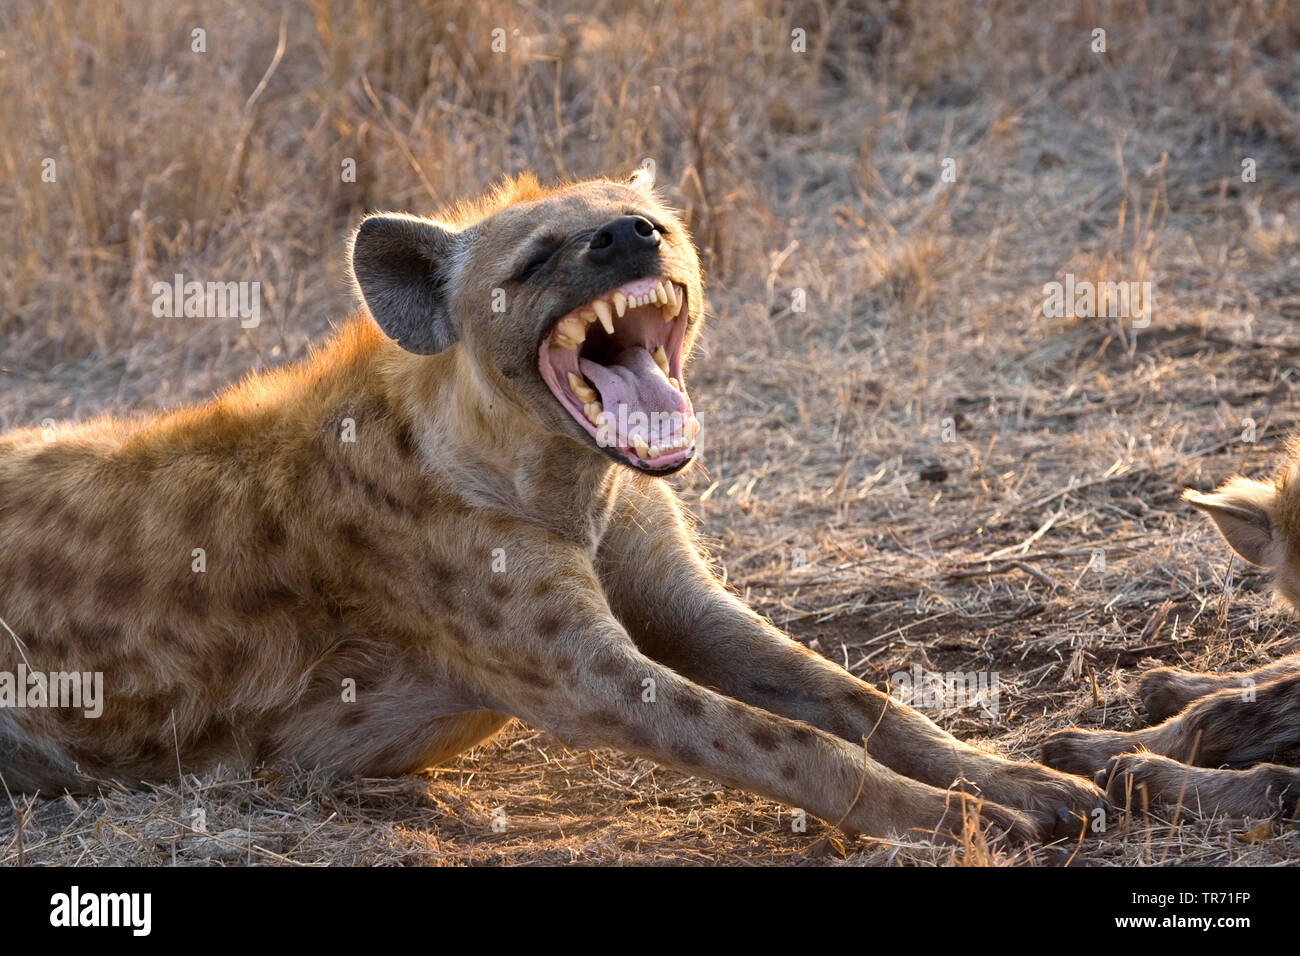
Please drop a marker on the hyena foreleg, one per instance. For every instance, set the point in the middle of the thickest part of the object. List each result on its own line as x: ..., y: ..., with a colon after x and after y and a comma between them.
x: 680, y: 615
x: 1165, y: 691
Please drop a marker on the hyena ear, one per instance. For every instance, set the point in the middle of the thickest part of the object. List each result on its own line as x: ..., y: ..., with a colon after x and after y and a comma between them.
x: 643, y: 178
x: 1240, y: 508
x: 402, y: 266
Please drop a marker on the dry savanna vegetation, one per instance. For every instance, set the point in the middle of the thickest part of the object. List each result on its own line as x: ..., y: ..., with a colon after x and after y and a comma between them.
x: 906, y: 462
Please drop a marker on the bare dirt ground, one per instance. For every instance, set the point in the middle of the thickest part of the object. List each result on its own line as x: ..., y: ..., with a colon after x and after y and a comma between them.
x: 923, y: 348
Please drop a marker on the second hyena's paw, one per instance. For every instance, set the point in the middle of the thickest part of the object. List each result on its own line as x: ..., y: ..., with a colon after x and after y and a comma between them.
x: 1166, y: 691
x: 1140, y: 780
x: 1084, y: 752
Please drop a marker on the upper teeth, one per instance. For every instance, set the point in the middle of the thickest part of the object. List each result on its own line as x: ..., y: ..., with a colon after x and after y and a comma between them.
x: 571, y: 331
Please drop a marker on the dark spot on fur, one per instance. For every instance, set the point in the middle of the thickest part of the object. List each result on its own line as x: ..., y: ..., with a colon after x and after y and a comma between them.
x: 498, y: 588
x: 405, y: 441
x: 720, y: 747
x: 549, y: 626
x: 50, y: 571
x: 691, y: 705
x: 194, y: 514
x: 763, y: 738
x: 192, y: 594
x: 789, y: 771
x: 118, y: 587
x: 802, y: 734
x: 265, y: 598
x: 686, y: 755
x: 272, y: 531
x: 543, y: 587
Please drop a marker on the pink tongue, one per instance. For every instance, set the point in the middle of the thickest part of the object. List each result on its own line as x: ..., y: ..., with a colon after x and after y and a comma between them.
x: 636, y: 381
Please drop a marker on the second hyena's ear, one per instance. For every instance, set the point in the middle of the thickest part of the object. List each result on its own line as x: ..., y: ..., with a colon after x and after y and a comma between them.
x: 1242, y: 510
x: 402, y: 266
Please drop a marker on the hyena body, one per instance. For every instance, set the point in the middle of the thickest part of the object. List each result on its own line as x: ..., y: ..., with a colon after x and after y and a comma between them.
x: 422, y: 511
x: 1206, y: 721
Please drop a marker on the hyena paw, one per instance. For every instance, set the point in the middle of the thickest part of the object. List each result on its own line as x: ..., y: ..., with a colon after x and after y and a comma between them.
x: 1062, y: 804
x: 1137, y: 780
x: 1166, y: 691
x: 1141, y: 780
x: 1084, y: 752
x: 965, y: 812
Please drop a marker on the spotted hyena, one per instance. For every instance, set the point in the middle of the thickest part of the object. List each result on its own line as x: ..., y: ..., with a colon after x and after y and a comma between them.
x: 1206, y: 721
x: 453, y: 513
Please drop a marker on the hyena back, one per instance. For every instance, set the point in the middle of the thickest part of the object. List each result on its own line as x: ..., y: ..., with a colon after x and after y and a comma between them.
x: 455, y: 508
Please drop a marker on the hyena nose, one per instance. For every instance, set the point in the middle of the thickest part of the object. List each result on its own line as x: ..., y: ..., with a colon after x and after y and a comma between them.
x: 623, y: 236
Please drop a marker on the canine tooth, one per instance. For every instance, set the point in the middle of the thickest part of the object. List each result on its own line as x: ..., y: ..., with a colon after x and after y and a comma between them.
x: 602, y: 313
x: 620, y: 303
x: 661, y: 359
x: 692, y: 429
x: 671, y: 288
x: 581, y: 388
x: 660, y: 295
x: 642, y: 448
x: 670, y: 312
x: 592, y: 410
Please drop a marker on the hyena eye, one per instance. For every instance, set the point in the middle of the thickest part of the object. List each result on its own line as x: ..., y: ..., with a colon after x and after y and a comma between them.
x: 534, y: 266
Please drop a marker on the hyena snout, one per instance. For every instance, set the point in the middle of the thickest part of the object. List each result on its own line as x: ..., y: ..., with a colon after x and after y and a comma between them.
x: 624, y: 237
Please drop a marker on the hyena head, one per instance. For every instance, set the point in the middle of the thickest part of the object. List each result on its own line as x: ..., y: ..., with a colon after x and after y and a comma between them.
x: 579, y: 305
x: 1261, y: 520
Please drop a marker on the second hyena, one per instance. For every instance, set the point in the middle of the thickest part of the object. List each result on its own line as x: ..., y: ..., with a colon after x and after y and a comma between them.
x: 1205, y: 721
x: 451, y: 514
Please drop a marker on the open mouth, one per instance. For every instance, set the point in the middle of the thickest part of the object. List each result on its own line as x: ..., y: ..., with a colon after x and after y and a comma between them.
x: 616, y: 364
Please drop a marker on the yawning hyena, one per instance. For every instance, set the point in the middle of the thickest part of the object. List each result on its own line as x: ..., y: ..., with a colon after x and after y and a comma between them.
x: 1210, y: 720
x: 448, y: 515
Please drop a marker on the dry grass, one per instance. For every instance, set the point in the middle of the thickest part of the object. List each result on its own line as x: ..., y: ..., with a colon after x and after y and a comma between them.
x: 817, y: 172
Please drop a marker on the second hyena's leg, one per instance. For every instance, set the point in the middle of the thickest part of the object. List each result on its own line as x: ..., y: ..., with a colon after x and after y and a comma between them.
x: 1240, y: 725
x: 1134, y: 781
x: 1165, y: 691
x: 681, y: 616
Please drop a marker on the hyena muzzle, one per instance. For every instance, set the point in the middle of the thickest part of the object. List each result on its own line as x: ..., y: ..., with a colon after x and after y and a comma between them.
x: 451, y: 514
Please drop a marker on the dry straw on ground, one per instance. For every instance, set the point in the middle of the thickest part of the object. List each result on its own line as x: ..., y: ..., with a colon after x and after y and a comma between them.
x: 816, y: 171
